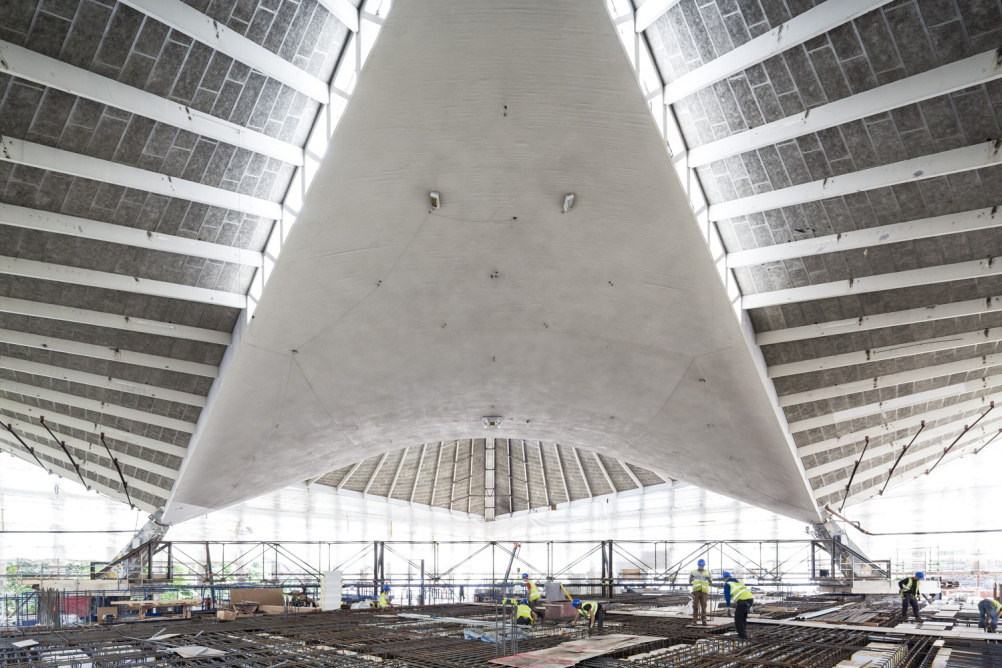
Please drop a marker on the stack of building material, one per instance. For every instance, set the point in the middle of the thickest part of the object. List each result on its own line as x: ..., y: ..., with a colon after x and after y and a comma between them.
x: 876, y: 655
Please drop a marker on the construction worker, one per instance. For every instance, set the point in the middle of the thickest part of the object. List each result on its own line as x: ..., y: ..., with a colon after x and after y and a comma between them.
x: 743, y: 600
x: 524, y: 614
x: 909, y: 588
x: 589, y: 610
x: 532, y: 593
x: 700, y: 581
x: 988, y: 611
x: 384, y: 598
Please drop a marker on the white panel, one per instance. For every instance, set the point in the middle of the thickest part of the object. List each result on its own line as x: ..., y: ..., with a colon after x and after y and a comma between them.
x: 43, y: 394
x: 193, y: 23
x: 968, y: 221
x: 100, y: 279
x: 963, y: 159
x: 330, y: 590
x: 60, y: 223
x: 84, y: 166
x: 955, y: 76
x: 84, y: 425
x: 797, y: 30
x: 892, y: 379
x: 101, y: 319
x: 891, y: 281
x: 94, y: 380
x: 881, y: 320
x: 105, y: 353
x: 33, y: 66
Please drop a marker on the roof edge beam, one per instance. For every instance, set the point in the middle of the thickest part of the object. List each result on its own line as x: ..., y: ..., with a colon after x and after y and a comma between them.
x: 651, y: 11
x: 343, y: 11
x: 799, y: 29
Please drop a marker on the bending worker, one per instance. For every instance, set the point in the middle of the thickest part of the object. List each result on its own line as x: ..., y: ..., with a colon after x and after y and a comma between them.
x: 743, y: 599
x: 909, y: 588
x: 524, y: 614
x: 989, y: 608
x: 532, y: 593
x: 384, y: 598
x: 589, y: 610
x: 700, y: 581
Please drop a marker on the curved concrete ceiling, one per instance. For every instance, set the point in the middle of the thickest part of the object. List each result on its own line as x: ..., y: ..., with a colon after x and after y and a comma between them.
x: 387, y: 324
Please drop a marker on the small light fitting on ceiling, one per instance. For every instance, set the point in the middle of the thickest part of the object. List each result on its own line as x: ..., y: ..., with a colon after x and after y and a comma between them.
x: 436, y: 201
x: 492, y: 421
x: 568, y: 202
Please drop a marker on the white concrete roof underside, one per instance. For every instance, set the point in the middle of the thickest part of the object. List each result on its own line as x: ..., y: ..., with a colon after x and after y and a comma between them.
x: 386, y: 325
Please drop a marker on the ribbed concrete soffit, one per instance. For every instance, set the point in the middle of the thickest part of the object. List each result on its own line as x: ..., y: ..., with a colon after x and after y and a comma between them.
x: 144, y: 165
x: 605, y: 329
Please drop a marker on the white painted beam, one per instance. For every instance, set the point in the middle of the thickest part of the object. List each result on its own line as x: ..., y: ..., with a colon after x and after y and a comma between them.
x: 106, y: 382
x: 813, y: 22
x: 96, y: 429
x: 396, y: 475
x: 417, y: 473
x: 953, y: 413
x: 106, y: 353
x: 33, y: 66
x: 112, y: 321
x: 879, y: 408
x: 83, y: 403
x: 894, y: 351
x: 633, y: 476
x: 577, y: 457
x: 989, y: 425
x: 968, y: 221
x: 197, y: 25
x: 944, y: 273
x: 15, y: 450
x: 651, y: 11
x: 434, y: 480
x: 66, y: 162
x: 892, y: 379
x: 978, y: 156
x: 955, y: 76
x: 350, y: 473
x: 605, y: 473
x: 375, y: 472
x: 59, y: 223
x: 62, y: 273
x: 563, y: 472
x: 343, y: 11
x: 38, y: 431
x: 542, y: 472
x: 929, y: 313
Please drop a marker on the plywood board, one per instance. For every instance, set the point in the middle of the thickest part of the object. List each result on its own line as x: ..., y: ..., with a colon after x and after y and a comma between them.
x: 572, y: 652
x: 263, y: 596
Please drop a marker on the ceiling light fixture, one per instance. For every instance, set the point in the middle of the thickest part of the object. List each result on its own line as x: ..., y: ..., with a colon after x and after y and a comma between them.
x: 436, y: 201
x: 492, y: 421
x: 568, y: 202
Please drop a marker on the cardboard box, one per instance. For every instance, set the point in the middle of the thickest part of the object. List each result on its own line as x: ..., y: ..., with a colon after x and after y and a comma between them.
x: 226, y: 615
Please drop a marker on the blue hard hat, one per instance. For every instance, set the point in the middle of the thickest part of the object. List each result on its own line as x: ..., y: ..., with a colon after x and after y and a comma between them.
x: 725, y: 574
x: 920, y: 575
x: 387, y: 588
x: 524, y: 602
x: 576, y: 602
x: 525, y: 575
x: 701, y: 562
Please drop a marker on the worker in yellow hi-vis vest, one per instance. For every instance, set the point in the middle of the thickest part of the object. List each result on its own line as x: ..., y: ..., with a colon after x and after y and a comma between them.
x: 743, y: 600
x: 700, y: 580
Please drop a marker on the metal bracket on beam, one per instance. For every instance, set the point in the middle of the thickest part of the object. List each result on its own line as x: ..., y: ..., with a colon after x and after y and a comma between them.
x: 62, y: 444
x: 27, y: 447
x: 125, y: 485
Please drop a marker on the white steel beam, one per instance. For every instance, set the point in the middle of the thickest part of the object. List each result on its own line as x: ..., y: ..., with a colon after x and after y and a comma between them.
x: 434, y: 481
x: 813, y: 22
x: 106, y: 353
x: 563, y: 472
x: 542, y: 472
x: 952, y: 413
x: 892, y: 379
x: 945, y: 273
x: 955, y: 76
x: 351, y: 472
x: 633, y: 476
x: 375, y: 472
x: 605, y: 473
x: 929, y: 313
x: 417, y: 473
x: 59, y: 223
x: 525, y: 472
x: 577, y: 457
x: 16, y: 451
x: 62, y: 273
x: 893, y: 351
x: 968, y: 221
x: 879, y: 408
x: 927, y: 436
x: 84, y: 425
x: 41, y: 69
x: 83, y: 403
x: 396, y: 475
x: 38, y: 431
x: 651, y: 11
x: 106, y: 382
x: 343, y: 11
x: 978, y: 156
x: 112, y: 321
x: 66, y: 162
x: 194, y: 23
